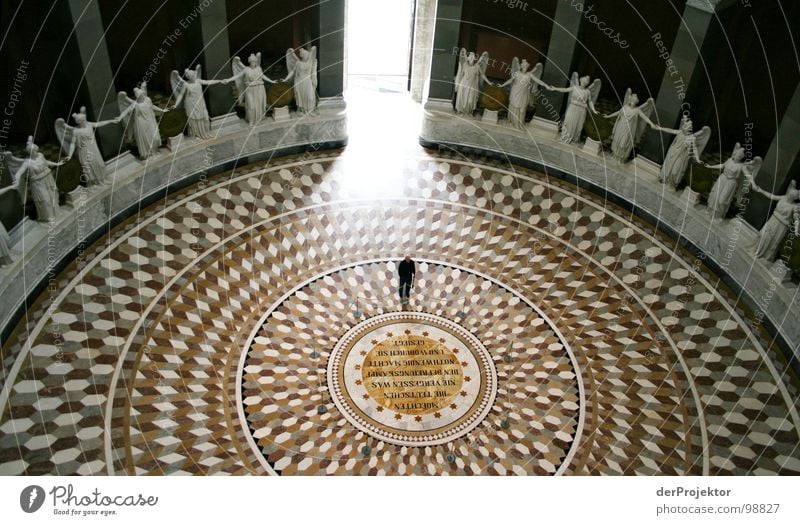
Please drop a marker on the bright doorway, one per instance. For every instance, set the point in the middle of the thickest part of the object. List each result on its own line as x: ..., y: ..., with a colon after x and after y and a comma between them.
x: 378, y: 37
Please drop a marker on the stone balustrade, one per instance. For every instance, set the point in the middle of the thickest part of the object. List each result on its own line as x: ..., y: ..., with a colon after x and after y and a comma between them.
x: 41, y: 250
x: 727, y: 246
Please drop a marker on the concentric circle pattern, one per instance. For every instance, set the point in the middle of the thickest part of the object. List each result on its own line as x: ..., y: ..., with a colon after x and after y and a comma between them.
x: 424, y: 381
x: 196, y: 338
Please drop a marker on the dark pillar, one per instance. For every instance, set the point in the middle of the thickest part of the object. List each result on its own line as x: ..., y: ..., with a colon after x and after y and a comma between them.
x: 560, y: 53
x: 216, y: 56
x: 780, y: 165
x: 445, y: 46
x: 688, y: 67
x: 331, y: 48
x: 93, y: 61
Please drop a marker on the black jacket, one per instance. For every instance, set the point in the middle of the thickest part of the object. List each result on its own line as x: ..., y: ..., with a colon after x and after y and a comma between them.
x: 407, y: 270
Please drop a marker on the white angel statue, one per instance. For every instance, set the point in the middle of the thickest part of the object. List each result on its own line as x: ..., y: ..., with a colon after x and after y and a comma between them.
x: 189, y: 92
x: 524, y: 83
x: 5, y: 246
x: 34, y: 178
x: 728, y: 185
x: 138, y: 117
x: 583, y: 94
x: 471, y: 71
x: 686, y: 144
x: 250, y: 84
x: 81, y: 137
x: 786, y: 215
x: 632, y: 120
x: 303, y: 67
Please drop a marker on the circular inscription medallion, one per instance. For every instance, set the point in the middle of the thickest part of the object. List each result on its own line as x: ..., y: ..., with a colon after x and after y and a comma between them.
x: 412, y: 378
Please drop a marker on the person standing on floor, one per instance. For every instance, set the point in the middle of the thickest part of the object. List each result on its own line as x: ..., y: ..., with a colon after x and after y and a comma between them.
x: 406, y: 270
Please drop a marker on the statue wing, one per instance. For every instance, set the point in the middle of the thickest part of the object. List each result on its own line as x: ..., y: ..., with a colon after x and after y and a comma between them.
x: 291, y: 60
x: 177, y: 84
x: 628, y: 95
x: 66, y: 136
x: 241, y: 83
x: 752, y: 167
x: 14, y: 165
x: 750, y: 171
x: 483, y: 61
x: 313, y: 58
x: 199, y: 71
x: 594, y: 89
x: 127, y: 123
x: 537, y: 74
x: 701, y: 140
x: 648, y: 109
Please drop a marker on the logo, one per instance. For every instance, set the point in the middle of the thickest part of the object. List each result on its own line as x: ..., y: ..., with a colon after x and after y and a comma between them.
x: 31, y: 498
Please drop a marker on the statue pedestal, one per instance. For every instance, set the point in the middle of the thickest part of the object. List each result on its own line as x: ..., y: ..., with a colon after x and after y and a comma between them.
x: 646, y: 165
x: 544, y: 125
x: 173, y: 143
x: 780, y: 272
x: 281, y: 113
x: 490, y: 116
x: 691, y: 196
x: 592, y: 146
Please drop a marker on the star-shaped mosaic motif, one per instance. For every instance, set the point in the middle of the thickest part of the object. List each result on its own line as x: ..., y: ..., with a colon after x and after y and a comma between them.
x: 363, y: 352
x: 418, y: 419
x: 424, y: 334
x: 358, y: 367
x: 464, y: 363
x: 437, y: 415
x: 398, y: 417
x: 453, y: 406
x: 467, y: 379
x: 358, y: 381
x: 389, y: 334
x: 441, y: 339
x: 374, y: 341
x: 380, y: 408
x: 407, y: 332
x: 365, y: 396
x: 463, y: 393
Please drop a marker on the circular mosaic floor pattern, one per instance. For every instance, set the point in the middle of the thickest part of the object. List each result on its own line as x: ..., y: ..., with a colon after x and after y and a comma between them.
x: 131, y: 367
x: 412, y: 378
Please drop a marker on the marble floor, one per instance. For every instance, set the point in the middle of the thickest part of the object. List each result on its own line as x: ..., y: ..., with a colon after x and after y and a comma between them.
x: 201, y: 336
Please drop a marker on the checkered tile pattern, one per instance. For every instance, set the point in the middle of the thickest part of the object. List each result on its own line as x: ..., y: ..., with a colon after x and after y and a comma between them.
x: 143, y: 342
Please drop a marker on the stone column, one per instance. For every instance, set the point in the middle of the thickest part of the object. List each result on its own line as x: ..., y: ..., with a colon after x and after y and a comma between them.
x: 424, y: 25
x: 445, y: 42
x: 560, y: 53
x: 331, y: 48
x: 780, y: 164
x: 216, y: 55
x: 94, y: 62
x: 687, y: 65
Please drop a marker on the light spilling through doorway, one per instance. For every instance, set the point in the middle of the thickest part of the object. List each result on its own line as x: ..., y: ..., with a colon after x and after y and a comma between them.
x: 378, y: 39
